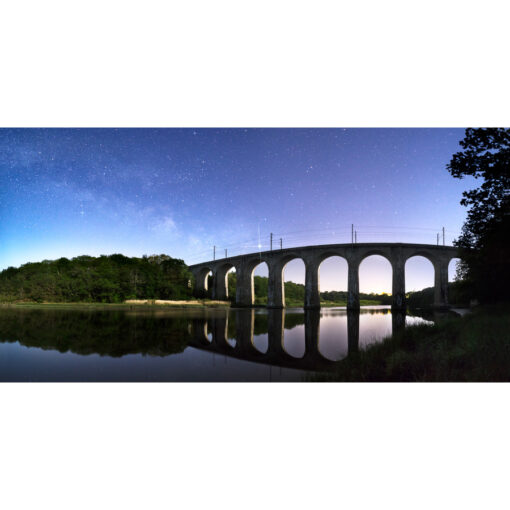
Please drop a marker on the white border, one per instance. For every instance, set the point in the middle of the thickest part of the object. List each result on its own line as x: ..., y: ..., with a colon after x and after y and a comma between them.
x: 265, y: 63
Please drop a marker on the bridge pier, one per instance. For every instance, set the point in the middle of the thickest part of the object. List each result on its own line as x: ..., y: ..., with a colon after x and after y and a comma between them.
x: 353, y: 285
x: 312, y: 333
x: 200, y: 286
x: 398, y: 288
x: 312, y: 289
x: 275, y: 332
x: 245, y: 322
x: 219, y: 329
x: 352, y: 331
x: 219, y: 286
x: 275, y: 288
x: 244, y: 286
x: 441, y: 283
x: 398, y: 321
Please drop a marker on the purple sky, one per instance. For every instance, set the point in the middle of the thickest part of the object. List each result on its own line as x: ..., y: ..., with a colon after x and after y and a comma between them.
x: 67, y: 192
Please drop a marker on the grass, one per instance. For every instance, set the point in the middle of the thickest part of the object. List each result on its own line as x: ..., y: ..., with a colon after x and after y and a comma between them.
x: 475, y: 347
x: 140, y: 304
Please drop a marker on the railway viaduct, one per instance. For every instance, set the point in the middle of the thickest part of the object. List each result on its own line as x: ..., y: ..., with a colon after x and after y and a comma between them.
x: 312, y: 256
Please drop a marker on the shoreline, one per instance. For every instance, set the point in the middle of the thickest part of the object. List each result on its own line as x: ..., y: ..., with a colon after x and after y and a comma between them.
x: 123, y: 306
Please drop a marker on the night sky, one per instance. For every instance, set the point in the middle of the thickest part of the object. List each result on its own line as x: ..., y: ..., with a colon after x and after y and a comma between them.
x: 68, y: 192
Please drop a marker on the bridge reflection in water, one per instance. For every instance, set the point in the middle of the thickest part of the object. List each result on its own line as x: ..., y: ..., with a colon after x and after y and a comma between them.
x: 144, y: 343
x: 234, y: 334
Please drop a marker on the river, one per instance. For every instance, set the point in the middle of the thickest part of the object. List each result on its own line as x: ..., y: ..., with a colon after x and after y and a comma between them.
x: 38, y: 344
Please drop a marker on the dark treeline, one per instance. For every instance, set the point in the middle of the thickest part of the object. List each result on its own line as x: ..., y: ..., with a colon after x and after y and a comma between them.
x: 341, y: 295
x: 484, y: 243
x: 458, y: 294
x: 104, y: 279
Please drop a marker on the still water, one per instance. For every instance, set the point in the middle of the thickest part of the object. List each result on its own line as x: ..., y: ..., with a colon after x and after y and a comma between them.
x: 185, y: 345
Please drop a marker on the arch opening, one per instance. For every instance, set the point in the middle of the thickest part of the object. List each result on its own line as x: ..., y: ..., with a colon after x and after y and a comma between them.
x: 231, y: 282
x: 261, y: 343
x: 333, y: 271
x: 260, y: 339
x: 231, y: 329
x: 208, y: 284
x: 259, y: 283
x: 293, y: 278
x: 419, y: 277
x: 456, y: 271
x: 375, y: 280
x: 294, y: 342
x: 458, y: 289
x: 333, y: 340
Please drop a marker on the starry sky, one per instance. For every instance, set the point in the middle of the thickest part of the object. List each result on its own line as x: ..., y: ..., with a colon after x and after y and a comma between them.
x: 68, y: 192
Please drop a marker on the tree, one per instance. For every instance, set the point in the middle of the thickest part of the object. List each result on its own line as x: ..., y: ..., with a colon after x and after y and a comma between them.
x: 484, y: 240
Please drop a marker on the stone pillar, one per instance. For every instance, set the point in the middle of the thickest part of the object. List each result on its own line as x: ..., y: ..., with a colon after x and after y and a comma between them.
x: 398, y: 321
x: 352, y: 331
x: 275, y: 290
x: 220, y: 287
x: 398, y: 290
x: 200, y: 285
x: 275, y: 323
x: 244, y: 286
x: 245, y: 320
x: 312, y: 290
x: 219, y: 329
x: 312, y: 331
x: 441, y: 283
x: 353, y: 285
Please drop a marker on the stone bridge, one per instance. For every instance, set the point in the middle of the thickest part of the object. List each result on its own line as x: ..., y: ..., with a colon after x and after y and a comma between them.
x: 312, y: 256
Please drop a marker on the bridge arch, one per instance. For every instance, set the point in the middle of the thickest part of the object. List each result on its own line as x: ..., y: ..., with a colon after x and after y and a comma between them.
x: 220, y: 280
x: 276, y: 288
x: 259, y: 283
x: 375, y: 252
x: 431, y: 257
x: 201, y: 275
x: 294, y: 273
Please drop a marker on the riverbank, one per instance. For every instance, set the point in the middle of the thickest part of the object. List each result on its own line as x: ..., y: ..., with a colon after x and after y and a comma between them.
x: 475, y: 347
x: 128, y: 305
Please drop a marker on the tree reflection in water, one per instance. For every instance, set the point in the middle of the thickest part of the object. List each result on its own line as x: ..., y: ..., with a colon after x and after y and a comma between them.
x: 238, y: 333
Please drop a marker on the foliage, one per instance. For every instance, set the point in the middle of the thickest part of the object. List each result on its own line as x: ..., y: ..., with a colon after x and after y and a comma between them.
x: 341, y: 296
x: 106, y: 279
x: 458, y: 294
x: 484, y: 242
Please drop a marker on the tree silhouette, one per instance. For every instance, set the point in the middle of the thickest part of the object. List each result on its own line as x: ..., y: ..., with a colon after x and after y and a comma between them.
x: 484, y: 240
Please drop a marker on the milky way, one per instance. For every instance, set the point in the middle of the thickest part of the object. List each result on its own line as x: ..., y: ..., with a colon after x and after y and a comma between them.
x: 66, y: 192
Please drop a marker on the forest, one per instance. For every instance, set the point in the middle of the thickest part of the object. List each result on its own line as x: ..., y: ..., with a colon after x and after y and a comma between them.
x: 104, y: 279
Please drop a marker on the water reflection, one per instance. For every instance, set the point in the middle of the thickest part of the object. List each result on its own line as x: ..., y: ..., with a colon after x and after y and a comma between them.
x: 293, y: 339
